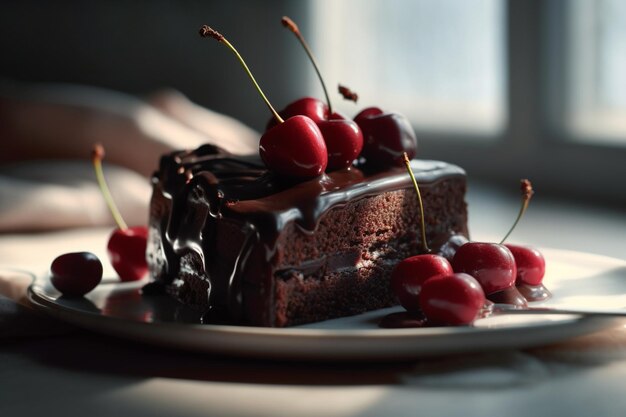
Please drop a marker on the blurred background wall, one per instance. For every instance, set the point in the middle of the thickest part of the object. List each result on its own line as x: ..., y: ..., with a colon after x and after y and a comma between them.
x: 141, y: 46
x: 505, y: 88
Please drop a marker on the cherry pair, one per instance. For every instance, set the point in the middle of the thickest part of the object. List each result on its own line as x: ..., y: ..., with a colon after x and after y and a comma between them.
x: 77, y: 273
x: 382, y: 137
x: 342, y: 137
x: 74, y: 274
x: 427, y: 283
x: 308, y: 138
x: 498, y: 267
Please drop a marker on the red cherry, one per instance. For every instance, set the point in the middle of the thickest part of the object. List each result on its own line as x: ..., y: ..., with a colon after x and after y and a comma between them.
x: 409, y: 275
x: 127, y: 252
x: 531, y: 265
x: 386, y: 136
x: 75, y: 274
x: 491, y: 264
x: 344, y: 141
x: 295, y: 148
x: 311, y: 107
x: 454, y: 299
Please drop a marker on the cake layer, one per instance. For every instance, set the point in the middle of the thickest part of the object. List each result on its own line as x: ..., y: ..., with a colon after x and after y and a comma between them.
x: 228, y: 237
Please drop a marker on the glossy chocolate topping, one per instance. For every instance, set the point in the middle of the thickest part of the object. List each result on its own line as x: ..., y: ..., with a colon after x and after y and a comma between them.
x: 241, y: 187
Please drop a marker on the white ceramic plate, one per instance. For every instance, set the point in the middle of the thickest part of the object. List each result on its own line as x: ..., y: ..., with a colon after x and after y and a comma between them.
x: 575, y: 279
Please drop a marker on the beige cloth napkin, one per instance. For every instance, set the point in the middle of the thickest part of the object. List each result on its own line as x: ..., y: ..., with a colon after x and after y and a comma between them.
x: 36, y: 196
x: 47, y: 181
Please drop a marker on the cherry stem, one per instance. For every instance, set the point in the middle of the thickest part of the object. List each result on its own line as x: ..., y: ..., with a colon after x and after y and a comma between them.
x: 97, y: 154
x: 208, y: 32
x: 407, y: 163
x: 290, y: 24
x: 527, y: 192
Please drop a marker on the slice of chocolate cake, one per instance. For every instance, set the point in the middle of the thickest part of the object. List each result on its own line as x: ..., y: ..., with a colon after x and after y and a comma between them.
x: 230, y: 238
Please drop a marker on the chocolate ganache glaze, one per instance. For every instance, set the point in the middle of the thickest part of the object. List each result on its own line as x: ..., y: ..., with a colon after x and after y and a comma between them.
x: 220, y: 224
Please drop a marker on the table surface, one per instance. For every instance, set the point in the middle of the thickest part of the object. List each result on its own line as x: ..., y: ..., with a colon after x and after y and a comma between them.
x: 48, y: 367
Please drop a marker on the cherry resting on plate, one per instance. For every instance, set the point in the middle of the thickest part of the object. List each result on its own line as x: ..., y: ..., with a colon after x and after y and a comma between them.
x: 531, y: 265
x: 491, y: 264
x: 453, y: 299
x: 75, y: 274
x: 386, y: 136
x: 409, y: 276
x: 127, y: 245
x: 127, y: 252
x: 342, y: 136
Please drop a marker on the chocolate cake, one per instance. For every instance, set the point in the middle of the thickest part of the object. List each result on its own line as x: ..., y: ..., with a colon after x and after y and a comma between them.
x: 247, y: 247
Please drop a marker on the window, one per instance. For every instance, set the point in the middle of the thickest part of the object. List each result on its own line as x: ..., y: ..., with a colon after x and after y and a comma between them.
x: 440, y: 63
x: 596, y: 67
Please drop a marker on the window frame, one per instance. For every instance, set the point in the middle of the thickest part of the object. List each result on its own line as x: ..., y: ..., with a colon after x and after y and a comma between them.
x: 534, y: 143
